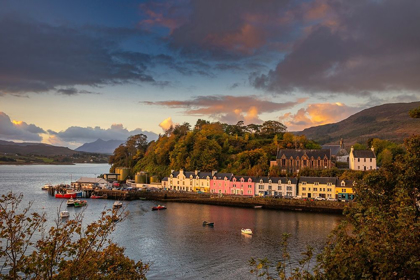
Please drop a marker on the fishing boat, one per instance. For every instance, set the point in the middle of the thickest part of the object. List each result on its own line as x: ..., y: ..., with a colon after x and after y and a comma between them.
x: 70, y: 202
x: 66, y: 195
x: 257, y: 206
x: 246, y: 231
x: 208, y: 224
x: 159, y: 207
x: 80, y: 203
x: 117, y: 204
x: 64, y: 214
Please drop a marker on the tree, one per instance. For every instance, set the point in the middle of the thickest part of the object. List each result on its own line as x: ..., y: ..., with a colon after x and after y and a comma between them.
x: 65, y: 251
x: 415, y: 113
x: 272, y: 128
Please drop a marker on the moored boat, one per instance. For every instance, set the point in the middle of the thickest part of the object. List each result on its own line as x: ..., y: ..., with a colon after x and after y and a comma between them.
x: 246, y: 231
x: 64, y: 214
x: 80, y: 203
x: 65, y: 195
x: 46, y: 187
x: 117, y: 204
x: 70, y: 202
x: 208, y: 224
x: 159, y: 207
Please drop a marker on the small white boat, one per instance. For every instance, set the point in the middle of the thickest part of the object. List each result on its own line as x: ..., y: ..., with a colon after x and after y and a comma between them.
x: 117, y: 204
x: 246, y: 231
x: 70, y: 202
x: 64, y: 214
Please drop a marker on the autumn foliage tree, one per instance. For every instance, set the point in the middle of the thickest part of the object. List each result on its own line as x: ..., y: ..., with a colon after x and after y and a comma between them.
x: 67, y: 250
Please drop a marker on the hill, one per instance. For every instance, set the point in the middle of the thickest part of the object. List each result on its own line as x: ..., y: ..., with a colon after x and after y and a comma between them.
x: 9, y: 147
x: 388, y: 121
x: 100, y: 146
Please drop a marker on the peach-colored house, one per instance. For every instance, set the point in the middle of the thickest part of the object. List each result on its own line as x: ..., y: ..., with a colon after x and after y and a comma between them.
x: 220, y: 183
x: 243, y: 185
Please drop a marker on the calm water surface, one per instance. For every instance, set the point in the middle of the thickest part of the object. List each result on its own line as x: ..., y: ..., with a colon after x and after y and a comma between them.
x: 174, y: 241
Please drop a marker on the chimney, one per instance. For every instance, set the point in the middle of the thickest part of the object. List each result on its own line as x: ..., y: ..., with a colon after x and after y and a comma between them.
x: 373, y: 149
x: 213, y: 173
x: 351, y: 150
x: 196, y: 172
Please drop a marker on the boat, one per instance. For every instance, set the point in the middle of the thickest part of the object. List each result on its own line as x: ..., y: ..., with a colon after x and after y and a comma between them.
x: 80, y: 203
x: 98, y: 196
x: 117, y: 204
x: 142, y: 198
x: 46, y: 187
x: 65, y: 195
x: 208, y: 224
x: 246, y: 231
x: 257, y: 206
x: 159, y: 207
x: 70, y: 202
x: 64, y: 214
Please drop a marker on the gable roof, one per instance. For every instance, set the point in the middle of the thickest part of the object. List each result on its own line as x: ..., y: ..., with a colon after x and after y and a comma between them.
x: 221, y: 176
x: 321, y: 180
x: 335, y: 149
x: 275, y: 180
x: 363, y: 154
x: 288, y: 153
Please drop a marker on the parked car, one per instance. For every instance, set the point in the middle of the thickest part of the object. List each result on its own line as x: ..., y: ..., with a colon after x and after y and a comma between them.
x: 331, y: 199
x: 297, y: 197
x: 319, y: 198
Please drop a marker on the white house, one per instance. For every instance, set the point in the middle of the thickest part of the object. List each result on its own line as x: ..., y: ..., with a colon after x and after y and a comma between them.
x: 362, y: 160
x: 276, y: 186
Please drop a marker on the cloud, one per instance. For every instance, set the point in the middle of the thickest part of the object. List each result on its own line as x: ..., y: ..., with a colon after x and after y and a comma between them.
x: 39, y: 57
x: 355, y: 47
x: 228, y: 109
x: 18, y: 130
x: 317, y: 114
x: 74, y: 91
x: 166, y: 124
x: 79, y: 134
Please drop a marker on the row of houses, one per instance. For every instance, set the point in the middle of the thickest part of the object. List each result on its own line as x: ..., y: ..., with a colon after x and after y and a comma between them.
x: 229, y: 184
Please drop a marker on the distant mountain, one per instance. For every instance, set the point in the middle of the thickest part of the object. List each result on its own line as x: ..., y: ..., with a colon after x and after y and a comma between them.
x: 100, y: 146
x: 9, y: 147
x: 388, y: 121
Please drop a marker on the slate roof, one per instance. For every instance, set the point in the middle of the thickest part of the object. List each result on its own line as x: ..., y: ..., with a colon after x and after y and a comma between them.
x: 238, y: 178
x: 299, y: 153
x: 284, y: 180
x: 363, y: 154
x: 221, y: 176
x: 321, y: 180
x: 203, y: 175
x: 335, y: 149
x: 348, y: 183
x: 165, y: 179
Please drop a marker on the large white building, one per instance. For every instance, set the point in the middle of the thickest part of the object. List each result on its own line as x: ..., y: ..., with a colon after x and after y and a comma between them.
x: 362, y: 160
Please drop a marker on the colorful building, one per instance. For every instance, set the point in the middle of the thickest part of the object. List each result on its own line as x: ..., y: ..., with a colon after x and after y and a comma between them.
x: 243, y: 185
x: 311, y: 187
x: 344, y: 190
x: 220, y: 183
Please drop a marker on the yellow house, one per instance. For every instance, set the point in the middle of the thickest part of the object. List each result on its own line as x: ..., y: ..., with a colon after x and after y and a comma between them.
x: 344, y: 190
x: 311, y: 187
x: 202, y: 181
x: 189, y: 181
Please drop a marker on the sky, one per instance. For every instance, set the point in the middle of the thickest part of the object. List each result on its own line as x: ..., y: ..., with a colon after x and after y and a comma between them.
x: 75, y: 71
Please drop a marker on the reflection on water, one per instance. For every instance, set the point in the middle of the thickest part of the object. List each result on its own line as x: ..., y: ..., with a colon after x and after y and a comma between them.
x: 174, y: 241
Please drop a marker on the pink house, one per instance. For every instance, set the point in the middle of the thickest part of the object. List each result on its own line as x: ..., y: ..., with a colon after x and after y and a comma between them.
x: 220, y: 183
x: 243, y: 185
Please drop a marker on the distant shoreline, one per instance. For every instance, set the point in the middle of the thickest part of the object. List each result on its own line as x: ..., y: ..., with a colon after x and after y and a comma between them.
x: 45, y: 163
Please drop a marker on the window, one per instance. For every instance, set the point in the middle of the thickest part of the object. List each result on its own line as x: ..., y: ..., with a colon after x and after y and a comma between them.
x: 343, y: 190
x: 358, y: 159
x: 358, y: 167
x: 249, y: 186
x: 315, y: 189
x: 365, y: 160
x: 325, y: 162
x: 304, y: 162
x: 316, y: 183
x: 303, y: 189
x: 269, y: 187
x: 283, y: 162
x: 303, y: 183
x: 329, y: 184
x: 329, y: 190
x: 289, y: 188
x: 261, y: 187
x: 303, y: 194
x: 370, y: 160
x: 279, y: 188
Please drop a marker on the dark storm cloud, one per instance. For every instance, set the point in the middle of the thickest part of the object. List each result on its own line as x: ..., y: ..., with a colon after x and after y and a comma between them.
x: 369, y: 46
x: 38, y: 57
